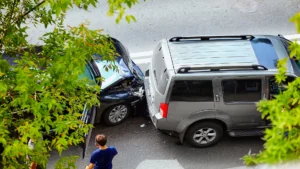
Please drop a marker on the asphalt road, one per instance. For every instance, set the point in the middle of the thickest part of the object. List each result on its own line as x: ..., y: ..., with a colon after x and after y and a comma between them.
x: 147, y: 148
x: 157, y: 19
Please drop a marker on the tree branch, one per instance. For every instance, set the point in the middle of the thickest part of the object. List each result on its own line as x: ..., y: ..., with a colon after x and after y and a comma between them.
x: 13, y: 10
x: 20, y: 17
x: 28, y: 12
x: 7, y: 23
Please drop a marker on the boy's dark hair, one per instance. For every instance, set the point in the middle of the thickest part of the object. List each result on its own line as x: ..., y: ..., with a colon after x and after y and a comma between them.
x: 101, y: 139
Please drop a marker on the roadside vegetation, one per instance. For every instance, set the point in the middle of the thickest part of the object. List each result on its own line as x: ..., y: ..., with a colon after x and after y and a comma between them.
x: 41, y: 90
x: 282, y: 141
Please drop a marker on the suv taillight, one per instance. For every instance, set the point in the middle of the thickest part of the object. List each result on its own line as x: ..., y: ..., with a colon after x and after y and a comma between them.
x: 163, y: 109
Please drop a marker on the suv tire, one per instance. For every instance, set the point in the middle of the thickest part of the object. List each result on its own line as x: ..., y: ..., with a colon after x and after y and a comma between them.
x: 116, y: 114
x: 204, y: 134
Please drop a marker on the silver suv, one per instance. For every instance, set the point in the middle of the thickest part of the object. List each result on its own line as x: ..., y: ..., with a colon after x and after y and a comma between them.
x: 202, y: 87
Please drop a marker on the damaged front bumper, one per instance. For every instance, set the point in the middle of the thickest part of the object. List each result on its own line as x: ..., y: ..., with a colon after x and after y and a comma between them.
x: 140, y: 101
x: 138, y: 92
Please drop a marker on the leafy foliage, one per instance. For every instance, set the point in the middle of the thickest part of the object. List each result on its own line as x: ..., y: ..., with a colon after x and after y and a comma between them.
x: 43, y: 90
x: 119, y: 5
x: 283, y: 139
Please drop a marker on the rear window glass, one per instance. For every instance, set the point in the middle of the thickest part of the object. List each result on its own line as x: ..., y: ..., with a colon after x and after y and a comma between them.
x: 241, y: 90
x: 192, y: 90
x: 160, y: 71
x: 265, y: 52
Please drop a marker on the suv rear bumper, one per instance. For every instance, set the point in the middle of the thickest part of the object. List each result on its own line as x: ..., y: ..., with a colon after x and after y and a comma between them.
x: 156, y: 118
x: 149, y: 102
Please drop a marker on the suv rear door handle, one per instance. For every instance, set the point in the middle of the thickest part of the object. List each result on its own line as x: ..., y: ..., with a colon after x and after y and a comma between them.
x: 217, y: 98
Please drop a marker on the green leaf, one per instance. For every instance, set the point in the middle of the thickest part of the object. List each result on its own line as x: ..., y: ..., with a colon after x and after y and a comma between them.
x: 128, y: 19
x: 133, y: 18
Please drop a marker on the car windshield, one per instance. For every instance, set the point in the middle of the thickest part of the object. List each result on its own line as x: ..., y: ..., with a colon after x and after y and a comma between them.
x: 111, y: 76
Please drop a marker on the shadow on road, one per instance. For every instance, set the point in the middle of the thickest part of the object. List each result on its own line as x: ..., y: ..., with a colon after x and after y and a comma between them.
x: 138, y: 141
x: 139, y: 144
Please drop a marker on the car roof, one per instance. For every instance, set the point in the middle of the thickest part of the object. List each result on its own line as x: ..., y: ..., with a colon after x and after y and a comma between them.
x: 228, y: 51
x: 218, y: 53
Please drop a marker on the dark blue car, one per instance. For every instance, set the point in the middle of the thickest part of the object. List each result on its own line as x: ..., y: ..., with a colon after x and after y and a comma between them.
x: 121, y: 90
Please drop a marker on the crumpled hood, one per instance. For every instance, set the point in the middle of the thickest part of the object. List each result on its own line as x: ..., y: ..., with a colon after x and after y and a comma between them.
x: 111, y: 76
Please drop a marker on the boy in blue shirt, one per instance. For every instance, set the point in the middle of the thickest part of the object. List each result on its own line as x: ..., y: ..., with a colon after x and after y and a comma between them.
x: 103, y: 156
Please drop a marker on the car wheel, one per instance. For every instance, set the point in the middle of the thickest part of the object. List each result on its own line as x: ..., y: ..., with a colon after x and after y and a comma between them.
x: 116, y: 114
x: 204, y: 134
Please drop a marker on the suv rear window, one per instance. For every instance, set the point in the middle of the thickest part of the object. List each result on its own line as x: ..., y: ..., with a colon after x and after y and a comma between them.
x: 241, y: 90
x: 160, y: 71
x: 192, y: 90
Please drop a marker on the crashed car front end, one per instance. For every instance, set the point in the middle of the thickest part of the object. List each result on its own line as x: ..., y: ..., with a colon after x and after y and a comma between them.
x: 125, y: 92
x: 124, y: 86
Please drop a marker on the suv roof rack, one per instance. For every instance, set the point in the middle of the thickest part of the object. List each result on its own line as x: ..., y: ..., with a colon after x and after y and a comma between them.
x: 243, y: 37
x: 218, y: 68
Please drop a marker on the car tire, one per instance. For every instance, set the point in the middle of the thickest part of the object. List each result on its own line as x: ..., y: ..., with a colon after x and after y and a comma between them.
x: 116, y: 114
x: 204, y: 134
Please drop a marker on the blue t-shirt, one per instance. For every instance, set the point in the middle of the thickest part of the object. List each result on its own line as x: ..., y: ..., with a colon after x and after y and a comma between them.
x: 103, y: 158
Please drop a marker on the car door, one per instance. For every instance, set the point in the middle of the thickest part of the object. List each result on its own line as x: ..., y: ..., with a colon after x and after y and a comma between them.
x: 88, y: 117
x: 191, y: 98
x: 238, y: 98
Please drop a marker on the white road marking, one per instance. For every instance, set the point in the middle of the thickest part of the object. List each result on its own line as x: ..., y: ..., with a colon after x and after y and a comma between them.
x: 159, y: 164
x: 141, y: 61
x: 292, y: 37
x: 141, y: 54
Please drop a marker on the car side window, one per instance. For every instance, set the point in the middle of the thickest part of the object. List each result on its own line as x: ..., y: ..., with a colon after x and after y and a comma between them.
x: 243, y: 90
x: 192, y: 90
x: 276, y: 88
x: 88, y: 74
